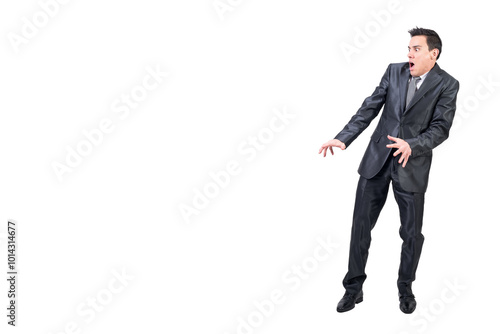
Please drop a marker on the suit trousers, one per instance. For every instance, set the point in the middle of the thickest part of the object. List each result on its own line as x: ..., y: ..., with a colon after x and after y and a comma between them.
x: 371, y: 195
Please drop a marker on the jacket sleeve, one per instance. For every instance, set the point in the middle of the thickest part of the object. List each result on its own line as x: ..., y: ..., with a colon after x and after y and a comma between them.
x: 440, y: 124
x: 366, y: 113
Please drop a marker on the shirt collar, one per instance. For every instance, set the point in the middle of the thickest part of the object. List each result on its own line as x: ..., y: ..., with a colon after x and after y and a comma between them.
x: 422, y: 77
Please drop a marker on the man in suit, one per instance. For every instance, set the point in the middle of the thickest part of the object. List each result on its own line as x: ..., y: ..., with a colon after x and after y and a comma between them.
x: 419, y: 100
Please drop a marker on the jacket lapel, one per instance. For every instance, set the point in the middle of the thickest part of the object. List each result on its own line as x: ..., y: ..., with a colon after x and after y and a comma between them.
x: 432, y: 79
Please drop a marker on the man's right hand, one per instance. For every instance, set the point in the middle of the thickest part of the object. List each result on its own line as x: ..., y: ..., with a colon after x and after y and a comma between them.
x: 330, y: 145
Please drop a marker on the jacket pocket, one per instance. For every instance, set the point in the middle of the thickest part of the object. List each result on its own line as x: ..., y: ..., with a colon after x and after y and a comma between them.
x: 376, y: 136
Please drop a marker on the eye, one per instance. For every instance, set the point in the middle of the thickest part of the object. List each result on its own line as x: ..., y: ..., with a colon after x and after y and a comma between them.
x: 417, y: 49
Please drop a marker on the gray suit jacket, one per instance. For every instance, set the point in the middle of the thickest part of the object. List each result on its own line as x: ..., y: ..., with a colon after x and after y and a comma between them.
x: 423, y: 125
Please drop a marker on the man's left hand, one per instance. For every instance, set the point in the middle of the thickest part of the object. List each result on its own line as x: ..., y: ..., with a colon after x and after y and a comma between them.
x: 403, y: 149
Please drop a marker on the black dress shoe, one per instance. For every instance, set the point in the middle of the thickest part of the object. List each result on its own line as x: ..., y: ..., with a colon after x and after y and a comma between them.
x: 407, y: 304
x: 349, y: 300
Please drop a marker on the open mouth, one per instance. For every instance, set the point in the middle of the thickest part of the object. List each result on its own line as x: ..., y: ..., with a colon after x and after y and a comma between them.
x: 412, y: 65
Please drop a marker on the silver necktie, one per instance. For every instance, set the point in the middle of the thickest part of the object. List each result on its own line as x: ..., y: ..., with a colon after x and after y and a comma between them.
x: 412, y: 89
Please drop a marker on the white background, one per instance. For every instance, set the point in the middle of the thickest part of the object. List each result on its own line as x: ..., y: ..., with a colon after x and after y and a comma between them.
x: 118, y: 210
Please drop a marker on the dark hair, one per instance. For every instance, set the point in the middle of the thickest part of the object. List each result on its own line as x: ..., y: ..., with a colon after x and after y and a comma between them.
x: 433, y: 40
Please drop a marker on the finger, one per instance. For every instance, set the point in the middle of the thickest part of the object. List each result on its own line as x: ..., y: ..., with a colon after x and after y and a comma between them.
x: 406, y: 158
x: 331, y: 149
x: 405, y: 161
x: 392, y: 138
x: 392, y: 146
x: 397, y: 152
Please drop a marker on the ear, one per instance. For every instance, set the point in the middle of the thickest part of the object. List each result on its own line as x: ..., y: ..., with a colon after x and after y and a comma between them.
x: 435, y: 53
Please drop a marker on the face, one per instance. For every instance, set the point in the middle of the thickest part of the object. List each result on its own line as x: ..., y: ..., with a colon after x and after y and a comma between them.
x: 420, y: 57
